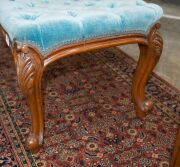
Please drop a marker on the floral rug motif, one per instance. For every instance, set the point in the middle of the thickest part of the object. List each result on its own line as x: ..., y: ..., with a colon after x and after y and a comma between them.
x: 89, y: 117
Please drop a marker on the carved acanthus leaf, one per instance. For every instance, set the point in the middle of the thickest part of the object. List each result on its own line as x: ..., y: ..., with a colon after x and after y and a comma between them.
x: 26, y: 72
x: 157, y: 44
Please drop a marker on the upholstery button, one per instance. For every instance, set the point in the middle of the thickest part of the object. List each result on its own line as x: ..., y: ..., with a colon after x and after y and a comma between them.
x: 89, y: 4
x: 45, y: 1
x: 66, y: 3
x: 112, y: 5
x: 29, y: 17
x: 72, y: 13
x: 30, y: 4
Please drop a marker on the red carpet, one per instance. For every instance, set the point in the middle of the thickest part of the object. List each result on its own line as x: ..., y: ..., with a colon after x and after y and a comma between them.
x: 89, y: 117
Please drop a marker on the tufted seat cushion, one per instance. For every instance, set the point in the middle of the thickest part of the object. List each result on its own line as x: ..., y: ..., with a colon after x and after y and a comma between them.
x: 50, y: 23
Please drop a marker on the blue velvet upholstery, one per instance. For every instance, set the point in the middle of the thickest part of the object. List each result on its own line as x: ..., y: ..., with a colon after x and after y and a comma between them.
x: 51, y: 23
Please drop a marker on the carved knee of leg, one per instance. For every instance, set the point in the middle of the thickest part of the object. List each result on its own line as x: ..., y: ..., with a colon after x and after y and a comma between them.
x: 29, y: 69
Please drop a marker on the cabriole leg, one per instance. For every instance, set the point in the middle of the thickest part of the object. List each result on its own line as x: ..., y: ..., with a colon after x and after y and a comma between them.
x: 30, y: 69
x: 149, y: 56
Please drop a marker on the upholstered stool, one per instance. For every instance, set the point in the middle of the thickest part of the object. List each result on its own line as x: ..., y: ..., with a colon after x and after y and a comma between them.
x: 40, y: 32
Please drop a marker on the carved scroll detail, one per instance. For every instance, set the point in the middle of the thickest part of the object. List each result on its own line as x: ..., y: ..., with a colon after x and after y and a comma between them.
x: 156, y: 42
x: 26, y: 72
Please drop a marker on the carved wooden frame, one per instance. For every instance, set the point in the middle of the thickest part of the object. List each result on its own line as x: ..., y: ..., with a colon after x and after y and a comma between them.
x: 31, y: 64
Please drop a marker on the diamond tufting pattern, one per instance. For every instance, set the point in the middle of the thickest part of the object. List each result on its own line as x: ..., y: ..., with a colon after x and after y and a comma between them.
x: 47, y: 24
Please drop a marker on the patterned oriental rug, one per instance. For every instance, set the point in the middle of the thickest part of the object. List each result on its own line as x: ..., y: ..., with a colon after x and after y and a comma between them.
x: 89, y: 117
